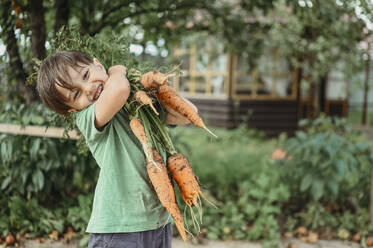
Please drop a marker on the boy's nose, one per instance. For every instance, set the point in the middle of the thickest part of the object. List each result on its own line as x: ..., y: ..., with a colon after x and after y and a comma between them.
x: 89, y: 89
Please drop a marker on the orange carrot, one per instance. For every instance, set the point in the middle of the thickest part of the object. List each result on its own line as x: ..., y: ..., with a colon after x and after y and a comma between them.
x: 160, y: 78
x: 153, y: 79
x: 142, y: 98
x: 178, y: 166
x: 139, y: 131
x: 158, y: 176
x: 169, y: 96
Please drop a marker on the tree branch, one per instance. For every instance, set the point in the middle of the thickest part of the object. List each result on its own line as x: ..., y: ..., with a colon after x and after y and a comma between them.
x: 106, y: 22
x: 108, y: 12
x: 38, y: 29
x: 15, y: 62
x: 62, y: 14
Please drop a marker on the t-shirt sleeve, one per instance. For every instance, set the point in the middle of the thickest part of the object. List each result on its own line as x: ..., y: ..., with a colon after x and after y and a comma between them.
x: 85, y: 121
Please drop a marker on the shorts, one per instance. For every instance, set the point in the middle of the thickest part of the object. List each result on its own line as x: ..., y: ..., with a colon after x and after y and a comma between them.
x: 158, y: 238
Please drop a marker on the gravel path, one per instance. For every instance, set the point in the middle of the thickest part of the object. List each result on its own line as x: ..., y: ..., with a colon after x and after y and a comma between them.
x: 178, y: 243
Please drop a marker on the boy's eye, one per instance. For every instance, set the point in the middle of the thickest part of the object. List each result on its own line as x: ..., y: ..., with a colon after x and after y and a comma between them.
x: 85, y: 75
x: 76, y: 94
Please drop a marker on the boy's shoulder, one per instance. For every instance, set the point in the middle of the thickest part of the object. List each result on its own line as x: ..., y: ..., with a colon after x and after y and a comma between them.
x: 85, y: 122
x: 84, y: 114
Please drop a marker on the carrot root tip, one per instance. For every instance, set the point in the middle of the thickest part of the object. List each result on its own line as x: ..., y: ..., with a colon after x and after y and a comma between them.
x: 208, y: 201
x: 204, y: 127
x: 155, y: 111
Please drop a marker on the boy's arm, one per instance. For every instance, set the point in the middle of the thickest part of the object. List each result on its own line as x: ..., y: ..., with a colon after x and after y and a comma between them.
x: 114, y: 95
x: 174, y: 118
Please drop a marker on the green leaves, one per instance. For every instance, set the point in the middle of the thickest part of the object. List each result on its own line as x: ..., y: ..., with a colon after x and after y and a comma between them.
x: 318, y: 35
x: 324, y: 159
x: 6, y: 149
x: 306, y: 182
x: 38, y: 172
x: 317, y: 190
x: 38, y: 179
x: 35, y: 145
x: 6, y: 182
x: 29, y: 216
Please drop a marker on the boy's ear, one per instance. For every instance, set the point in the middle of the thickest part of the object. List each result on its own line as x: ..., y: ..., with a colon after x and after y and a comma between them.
x: 97, y: 62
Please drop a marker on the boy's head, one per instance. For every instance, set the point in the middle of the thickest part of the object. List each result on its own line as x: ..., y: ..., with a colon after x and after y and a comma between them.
x: 68, y: 81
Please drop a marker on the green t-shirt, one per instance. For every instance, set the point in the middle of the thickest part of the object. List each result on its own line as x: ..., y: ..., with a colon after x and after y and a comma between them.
x: 124, y: 199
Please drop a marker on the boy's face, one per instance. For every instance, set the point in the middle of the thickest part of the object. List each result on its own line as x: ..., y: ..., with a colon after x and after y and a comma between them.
x: 87, y: 83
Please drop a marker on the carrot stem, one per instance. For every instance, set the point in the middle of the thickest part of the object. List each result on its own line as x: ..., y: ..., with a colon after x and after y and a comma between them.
x: 161, y: 129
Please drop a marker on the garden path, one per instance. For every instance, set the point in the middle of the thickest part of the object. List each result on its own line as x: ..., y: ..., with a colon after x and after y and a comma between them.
x: 178, y: 243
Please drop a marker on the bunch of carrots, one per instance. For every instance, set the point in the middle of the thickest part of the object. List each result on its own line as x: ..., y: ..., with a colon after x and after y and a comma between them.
x: 151, y: 132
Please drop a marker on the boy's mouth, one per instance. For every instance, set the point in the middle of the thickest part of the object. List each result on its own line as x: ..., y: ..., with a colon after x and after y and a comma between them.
x: 98, y: 92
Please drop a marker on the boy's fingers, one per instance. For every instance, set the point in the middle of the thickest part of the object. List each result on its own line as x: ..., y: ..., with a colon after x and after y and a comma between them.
x: 118, y: 68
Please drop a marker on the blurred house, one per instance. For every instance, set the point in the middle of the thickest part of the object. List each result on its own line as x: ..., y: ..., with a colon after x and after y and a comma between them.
x: 267, y: 97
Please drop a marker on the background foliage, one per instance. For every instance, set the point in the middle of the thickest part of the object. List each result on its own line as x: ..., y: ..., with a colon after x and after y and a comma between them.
x: 256, y: 197
x: 313, y: 34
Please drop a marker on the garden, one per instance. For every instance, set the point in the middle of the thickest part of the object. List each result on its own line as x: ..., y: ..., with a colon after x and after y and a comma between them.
x: 320, y: 186
x: 311, y: 182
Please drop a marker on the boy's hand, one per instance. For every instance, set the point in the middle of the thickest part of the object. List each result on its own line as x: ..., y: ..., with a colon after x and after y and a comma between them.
x: 117, y: 69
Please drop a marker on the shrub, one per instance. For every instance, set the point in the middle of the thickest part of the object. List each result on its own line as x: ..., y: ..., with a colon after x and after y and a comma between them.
x: 324, y: 162
x: 40, y: 177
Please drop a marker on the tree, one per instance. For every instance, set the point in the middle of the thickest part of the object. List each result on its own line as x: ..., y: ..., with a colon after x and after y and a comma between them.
x: 319, y: 34
x: 8, y: 23
x: 366, y: 83
x: 62, y: 14
x: 167, y: 19
x: 38, y: 29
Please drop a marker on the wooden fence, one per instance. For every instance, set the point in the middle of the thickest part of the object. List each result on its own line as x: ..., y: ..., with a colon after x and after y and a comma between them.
x: 40, y: 131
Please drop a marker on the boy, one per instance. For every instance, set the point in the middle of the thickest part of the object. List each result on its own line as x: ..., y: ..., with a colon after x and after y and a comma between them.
x: 126, y: 211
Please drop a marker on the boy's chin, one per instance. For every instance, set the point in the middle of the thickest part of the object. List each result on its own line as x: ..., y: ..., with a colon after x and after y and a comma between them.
x: 85, y: 106
x: 89, y: 104
x: 72, y: 110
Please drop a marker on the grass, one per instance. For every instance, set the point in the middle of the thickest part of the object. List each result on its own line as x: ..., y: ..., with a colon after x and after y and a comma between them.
x: 234, y: 155
x: 354, y: 117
